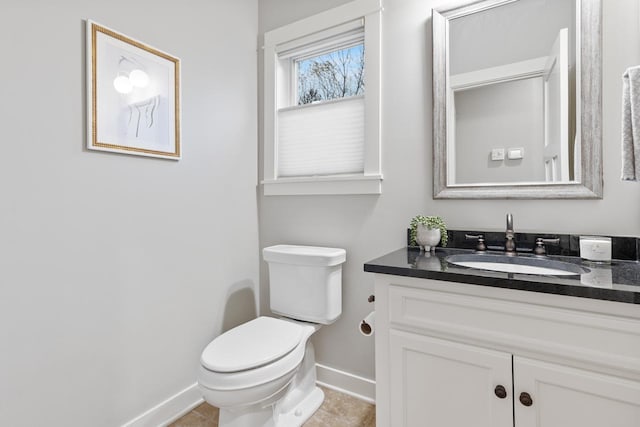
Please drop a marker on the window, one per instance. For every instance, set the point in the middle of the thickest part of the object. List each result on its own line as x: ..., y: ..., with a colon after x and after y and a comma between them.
x: 333, y: 75
x: 322, y: 103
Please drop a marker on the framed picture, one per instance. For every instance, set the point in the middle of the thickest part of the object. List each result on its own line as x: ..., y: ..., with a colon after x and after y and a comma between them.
x: 133, y: 96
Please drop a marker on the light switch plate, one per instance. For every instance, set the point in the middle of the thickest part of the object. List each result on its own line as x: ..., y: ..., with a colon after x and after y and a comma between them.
x: 515, y: 153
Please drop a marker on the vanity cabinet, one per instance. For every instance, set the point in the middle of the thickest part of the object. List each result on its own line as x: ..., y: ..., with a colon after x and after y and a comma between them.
x: 451, y: 355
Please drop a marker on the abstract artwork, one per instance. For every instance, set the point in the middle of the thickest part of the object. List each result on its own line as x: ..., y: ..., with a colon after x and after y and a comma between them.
x: 133, y: 96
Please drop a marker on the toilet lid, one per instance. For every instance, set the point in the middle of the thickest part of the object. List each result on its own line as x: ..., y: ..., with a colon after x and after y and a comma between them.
x: 251, y: 345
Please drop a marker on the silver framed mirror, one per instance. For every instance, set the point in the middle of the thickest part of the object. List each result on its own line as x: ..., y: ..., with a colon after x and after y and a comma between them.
x: 517, y: 103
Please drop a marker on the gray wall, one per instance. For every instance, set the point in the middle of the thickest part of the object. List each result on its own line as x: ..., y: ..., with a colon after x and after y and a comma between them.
x: 523, y: 30
x: 115, y: 270
x: 369, y: 226
x: 501, y: 115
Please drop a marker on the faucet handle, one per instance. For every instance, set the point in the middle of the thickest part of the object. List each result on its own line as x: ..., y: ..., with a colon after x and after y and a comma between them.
x: 540, y: 249
x: 480, y: 247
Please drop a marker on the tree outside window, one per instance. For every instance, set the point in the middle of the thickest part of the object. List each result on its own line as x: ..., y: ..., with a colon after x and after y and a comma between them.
x: 338, y: 74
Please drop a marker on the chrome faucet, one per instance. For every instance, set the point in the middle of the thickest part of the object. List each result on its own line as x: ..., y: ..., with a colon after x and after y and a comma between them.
x: 510, y: 243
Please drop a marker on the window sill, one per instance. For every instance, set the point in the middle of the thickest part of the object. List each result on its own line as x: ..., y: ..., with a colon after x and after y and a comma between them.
x: 324, y: 185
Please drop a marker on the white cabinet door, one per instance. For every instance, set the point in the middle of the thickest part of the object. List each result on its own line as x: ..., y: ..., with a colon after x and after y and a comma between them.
x: 437, y: 383
x: 568, y: 397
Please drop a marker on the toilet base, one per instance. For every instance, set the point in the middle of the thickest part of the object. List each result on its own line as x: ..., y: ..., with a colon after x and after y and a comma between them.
x: 271, y: 415
x: 303, y: 411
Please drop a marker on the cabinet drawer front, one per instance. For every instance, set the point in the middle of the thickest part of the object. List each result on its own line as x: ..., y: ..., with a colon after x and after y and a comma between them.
x: 601, y: 341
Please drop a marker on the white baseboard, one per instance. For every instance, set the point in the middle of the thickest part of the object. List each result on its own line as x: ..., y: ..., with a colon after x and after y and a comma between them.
x: 170, y: 410
x: 344, y: 382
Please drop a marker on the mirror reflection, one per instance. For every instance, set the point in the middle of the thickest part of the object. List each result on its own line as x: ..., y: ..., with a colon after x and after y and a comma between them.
x: 517, y: 104
x: 512, y: 79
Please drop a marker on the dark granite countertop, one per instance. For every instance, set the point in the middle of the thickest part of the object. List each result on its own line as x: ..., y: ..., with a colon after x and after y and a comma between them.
x: 618, y: 281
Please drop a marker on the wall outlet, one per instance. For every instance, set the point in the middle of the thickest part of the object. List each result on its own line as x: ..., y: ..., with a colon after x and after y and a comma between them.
x: 497, y: 154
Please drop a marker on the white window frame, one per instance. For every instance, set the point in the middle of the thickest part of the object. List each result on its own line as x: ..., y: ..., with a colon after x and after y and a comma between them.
x: 278, y: 86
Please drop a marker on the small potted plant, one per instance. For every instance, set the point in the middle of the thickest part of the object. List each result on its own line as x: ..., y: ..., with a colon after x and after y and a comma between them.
x: 427, y: 232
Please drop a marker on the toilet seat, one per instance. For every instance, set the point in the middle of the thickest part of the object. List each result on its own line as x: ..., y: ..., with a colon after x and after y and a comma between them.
x: 251, y: 345
x: 262, y: 373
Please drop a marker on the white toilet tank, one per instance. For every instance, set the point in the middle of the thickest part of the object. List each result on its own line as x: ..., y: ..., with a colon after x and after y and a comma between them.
x: 305, y: 282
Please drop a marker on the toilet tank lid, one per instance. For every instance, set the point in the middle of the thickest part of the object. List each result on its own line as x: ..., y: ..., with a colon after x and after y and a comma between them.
x: 251, y: 345
x: 304, y: 255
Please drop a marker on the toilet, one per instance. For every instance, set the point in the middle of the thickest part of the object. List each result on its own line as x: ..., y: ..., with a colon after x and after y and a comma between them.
x: 262, y: 373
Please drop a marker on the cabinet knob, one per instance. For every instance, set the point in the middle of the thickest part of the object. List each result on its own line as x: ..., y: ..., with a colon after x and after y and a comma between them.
x: 500, y: 391
x: 525, y: 399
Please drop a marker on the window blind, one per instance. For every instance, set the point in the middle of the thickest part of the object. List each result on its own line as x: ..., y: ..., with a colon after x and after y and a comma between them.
x: 321, y: 139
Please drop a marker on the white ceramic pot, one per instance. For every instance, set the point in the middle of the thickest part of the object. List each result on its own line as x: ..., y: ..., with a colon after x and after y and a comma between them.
x: 427, y: 238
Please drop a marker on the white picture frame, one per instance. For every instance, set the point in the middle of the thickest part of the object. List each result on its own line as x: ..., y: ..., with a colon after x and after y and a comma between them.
x: 133, y: 96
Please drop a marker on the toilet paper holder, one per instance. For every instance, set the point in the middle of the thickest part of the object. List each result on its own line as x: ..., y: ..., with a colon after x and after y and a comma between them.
x: 368, y: 324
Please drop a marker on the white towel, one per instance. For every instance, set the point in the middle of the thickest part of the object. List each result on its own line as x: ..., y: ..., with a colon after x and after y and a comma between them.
x: 631, y: 124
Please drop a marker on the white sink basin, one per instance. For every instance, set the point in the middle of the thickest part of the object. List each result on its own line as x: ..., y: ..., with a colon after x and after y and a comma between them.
x: 517, y: 264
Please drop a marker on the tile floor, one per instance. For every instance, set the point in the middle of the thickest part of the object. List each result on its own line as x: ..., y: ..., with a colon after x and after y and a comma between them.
x: 337, y: 410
